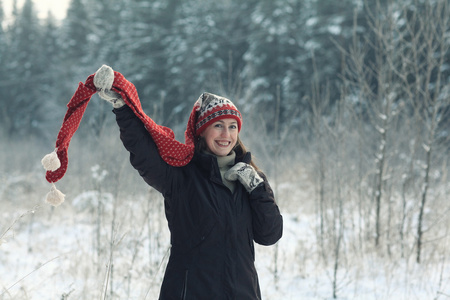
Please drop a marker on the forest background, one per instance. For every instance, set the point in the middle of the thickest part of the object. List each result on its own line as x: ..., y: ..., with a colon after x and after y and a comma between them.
x: 346, y: 107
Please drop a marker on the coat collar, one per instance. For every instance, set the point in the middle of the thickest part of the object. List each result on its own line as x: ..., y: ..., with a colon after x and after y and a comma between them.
x: 208, y: 161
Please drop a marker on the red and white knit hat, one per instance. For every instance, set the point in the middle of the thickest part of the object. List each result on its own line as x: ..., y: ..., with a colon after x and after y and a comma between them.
x: 207, y: 109
x: 211, y: 108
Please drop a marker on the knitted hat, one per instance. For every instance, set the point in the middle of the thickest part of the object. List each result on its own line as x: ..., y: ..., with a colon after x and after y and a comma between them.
x: 212, y: 108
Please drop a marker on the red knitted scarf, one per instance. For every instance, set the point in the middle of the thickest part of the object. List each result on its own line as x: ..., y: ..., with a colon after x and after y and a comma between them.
x: 172, y: 151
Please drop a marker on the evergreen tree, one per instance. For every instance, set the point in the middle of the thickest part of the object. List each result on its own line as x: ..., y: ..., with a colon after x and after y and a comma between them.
x: 147, y: 44
x: 3, y: 42
x: 76, y: 33
x: 107, y: 44
x: 3, y: 71
x: 54, y: 93
x: 51, y: 42
x: 331, y: 28
x: 25, y: 68
x: 277, y: 58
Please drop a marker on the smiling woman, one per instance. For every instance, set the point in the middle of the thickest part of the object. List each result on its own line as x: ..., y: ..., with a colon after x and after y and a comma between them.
x: 58, y: 8
x: 217, y: 204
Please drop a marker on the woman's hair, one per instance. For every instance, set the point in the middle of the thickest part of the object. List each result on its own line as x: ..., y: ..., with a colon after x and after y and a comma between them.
x: 239, y: 148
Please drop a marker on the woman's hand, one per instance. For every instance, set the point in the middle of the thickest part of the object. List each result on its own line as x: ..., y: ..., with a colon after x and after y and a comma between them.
x: 103, y: 80
x: 246, y: 174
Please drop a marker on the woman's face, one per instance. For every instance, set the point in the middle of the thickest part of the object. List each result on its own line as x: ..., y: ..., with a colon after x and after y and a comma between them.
x: 221, y: 136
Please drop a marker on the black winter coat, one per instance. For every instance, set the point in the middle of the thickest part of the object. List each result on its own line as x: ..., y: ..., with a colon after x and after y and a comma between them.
x: 212, y: 230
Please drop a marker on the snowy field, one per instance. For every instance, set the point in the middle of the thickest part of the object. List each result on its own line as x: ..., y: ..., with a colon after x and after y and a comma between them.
x: 109, y: 240
x: 98, y: 245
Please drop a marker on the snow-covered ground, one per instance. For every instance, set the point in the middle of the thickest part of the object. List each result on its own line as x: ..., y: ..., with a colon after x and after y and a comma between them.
x: 97, y: 243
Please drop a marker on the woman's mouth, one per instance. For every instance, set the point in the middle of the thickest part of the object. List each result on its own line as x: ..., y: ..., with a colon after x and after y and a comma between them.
x: 223, y: 144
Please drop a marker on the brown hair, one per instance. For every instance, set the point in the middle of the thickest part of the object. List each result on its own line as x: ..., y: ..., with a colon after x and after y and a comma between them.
x: 239, y: 148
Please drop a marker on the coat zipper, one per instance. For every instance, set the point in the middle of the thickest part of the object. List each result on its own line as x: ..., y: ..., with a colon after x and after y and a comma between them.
x: 184, y: 290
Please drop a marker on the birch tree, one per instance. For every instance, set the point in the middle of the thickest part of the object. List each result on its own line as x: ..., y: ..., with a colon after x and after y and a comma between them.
x: 424, y: 61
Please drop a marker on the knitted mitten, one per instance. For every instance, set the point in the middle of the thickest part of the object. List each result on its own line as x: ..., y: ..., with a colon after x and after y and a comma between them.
x: 103, y: 80
x: 246, y: 174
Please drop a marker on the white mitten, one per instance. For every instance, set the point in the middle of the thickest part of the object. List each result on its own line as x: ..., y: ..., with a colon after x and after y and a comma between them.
x: 103, y: 80
x: 246, y: 174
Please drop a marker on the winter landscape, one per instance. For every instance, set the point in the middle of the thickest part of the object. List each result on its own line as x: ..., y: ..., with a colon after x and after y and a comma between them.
x: 346, y: 108
x: 109, y: 240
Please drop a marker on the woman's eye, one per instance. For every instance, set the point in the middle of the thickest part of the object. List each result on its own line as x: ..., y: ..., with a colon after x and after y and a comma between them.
x: 218, y: 125
x: 233, y: 127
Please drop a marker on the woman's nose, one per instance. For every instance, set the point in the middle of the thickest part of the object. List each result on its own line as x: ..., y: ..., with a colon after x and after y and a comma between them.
x: 225, y: 132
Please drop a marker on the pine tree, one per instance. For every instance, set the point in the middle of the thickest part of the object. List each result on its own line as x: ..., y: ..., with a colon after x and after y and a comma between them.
x: 147, y: 42
x: 76, y: 31
x: 3, y: 71
x: 107, y: 20
x: 54, y: 93
x: 276, y: 60
x: 25, y: 69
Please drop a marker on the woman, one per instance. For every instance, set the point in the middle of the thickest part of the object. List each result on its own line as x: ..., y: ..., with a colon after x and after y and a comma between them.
x: 217, y: 205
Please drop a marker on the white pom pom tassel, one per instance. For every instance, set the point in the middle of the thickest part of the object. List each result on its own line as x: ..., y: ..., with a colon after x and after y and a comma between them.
x: 55, y: 197
x: 51, y: 161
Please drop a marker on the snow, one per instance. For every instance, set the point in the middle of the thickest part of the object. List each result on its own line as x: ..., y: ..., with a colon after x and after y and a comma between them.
x: 312, y: 21
x: 334, y: 29
x: 67, y: 252
x: 426, y: 147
